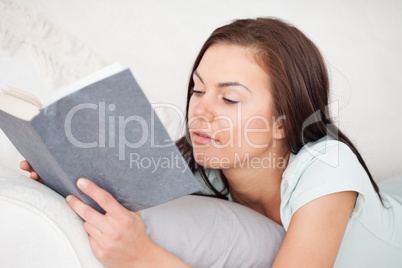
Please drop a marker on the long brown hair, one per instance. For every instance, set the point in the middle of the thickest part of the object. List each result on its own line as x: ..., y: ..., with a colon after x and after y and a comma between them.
x: 299, y: 82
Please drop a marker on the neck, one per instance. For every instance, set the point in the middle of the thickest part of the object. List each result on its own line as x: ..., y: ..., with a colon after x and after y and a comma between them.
x: 258, y: 187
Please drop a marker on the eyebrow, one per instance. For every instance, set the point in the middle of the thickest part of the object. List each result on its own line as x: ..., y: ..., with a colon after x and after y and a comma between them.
x: 224, y: 84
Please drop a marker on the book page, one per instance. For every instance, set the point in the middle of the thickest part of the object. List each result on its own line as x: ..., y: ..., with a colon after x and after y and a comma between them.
x: 18, y: 107
x: 23, y: 95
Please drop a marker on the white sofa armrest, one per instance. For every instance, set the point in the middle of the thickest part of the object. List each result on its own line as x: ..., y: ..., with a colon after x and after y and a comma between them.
x: 38, y: 228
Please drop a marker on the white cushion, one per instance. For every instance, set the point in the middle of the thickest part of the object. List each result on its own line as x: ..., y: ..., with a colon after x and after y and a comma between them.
x: 38, y: 228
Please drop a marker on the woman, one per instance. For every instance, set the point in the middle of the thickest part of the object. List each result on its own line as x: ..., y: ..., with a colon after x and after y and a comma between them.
x: 259, y: 133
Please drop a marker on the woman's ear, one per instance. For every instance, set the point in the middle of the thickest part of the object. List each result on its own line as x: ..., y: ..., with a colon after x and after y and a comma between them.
x: 278, y: 128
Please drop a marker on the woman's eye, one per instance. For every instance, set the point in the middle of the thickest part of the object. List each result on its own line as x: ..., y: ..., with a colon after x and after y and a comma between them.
x: 229, y: 101
x: 198, y: 92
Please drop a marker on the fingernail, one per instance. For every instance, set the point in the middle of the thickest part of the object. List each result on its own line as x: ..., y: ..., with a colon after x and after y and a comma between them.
x: 82, y: 182
x: 68, y: 198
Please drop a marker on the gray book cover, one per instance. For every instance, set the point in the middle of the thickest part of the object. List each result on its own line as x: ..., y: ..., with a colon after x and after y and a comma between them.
x: 106, y: 132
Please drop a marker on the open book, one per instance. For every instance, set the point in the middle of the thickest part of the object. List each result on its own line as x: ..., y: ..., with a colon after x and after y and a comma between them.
x: 104, y: 129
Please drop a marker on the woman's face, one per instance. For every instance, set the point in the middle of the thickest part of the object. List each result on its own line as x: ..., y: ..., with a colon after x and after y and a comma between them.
x: 231, y: 116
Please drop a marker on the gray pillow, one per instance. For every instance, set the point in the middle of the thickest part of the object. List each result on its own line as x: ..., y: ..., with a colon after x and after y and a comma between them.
x: 209, y: 232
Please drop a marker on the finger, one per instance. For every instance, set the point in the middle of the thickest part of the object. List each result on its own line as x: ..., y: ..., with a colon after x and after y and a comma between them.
x: 92, y: 231
x: 34, y: 175
x: 94, y: 245
x: 88, y: 214
x: 24, y: 165
x: 104, y: 199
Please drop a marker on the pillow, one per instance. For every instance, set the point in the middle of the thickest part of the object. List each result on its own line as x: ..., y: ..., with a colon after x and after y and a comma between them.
x: 210, y: 232
x: 39, y: 229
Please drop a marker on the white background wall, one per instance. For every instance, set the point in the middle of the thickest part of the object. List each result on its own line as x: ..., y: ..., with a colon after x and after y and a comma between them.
x: 159, y: 40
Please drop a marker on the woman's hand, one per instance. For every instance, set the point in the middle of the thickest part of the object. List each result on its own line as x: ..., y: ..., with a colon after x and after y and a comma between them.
x: 24, y: 165
x: 118, y: 238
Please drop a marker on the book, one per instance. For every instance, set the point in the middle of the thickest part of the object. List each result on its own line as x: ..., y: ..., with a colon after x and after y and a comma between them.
x: 105, y: 130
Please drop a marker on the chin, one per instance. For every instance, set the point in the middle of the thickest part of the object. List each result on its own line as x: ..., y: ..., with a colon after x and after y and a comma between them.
x: 211, y: 160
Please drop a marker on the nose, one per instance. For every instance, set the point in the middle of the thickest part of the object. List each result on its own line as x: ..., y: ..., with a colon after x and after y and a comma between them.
x: 204, y: 108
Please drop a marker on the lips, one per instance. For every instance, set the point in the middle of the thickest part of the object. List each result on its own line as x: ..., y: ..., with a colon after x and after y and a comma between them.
x: 200, y: 137
x: 202, y: 134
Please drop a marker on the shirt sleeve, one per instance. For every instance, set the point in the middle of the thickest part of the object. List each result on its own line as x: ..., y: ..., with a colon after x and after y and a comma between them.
x: 336, y: 170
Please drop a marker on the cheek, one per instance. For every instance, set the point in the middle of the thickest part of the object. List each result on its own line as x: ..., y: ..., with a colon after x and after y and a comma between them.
x: 243, y: 132
x: 256, y: 132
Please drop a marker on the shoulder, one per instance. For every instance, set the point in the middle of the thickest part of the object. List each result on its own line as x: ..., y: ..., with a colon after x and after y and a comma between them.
x: 321, y: 168
x: 325, y: 160
x: 326, y: 153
